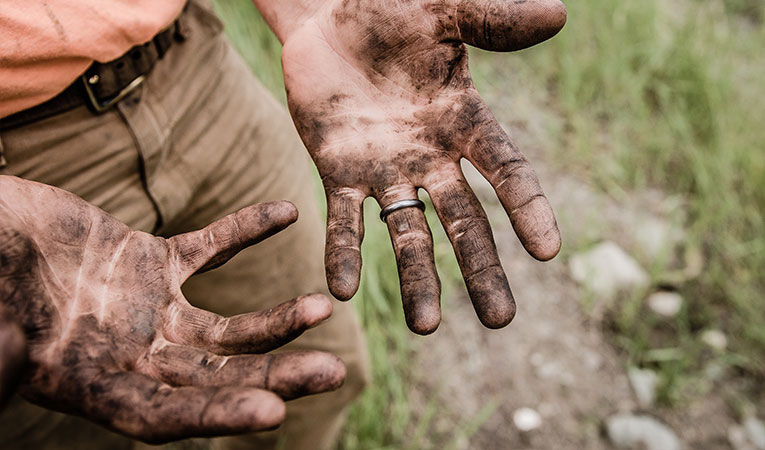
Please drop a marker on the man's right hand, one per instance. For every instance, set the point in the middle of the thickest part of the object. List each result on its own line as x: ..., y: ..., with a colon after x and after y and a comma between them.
x: 381, y: 94
x: 110, y: 337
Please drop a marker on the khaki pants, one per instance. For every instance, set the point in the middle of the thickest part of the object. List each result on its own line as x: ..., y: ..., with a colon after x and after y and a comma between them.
x: 200, y: 139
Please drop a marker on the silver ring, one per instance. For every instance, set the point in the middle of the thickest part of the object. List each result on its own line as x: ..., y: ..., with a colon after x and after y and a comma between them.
x: 400, y: 205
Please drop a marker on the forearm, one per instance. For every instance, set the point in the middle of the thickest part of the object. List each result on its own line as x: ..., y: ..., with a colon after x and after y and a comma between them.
x: 285, y: 16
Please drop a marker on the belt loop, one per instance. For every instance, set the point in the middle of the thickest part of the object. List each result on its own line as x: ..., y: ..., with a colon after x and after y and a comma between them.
x: 181, y: 30
x: 3, y: 162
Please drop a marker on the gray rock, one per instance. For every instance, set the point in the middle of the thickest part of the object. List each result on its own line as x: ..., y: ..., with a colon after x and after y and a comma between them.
x: 665, y: 303
x: 549, y: 370
x: 755, y: 432
x: 606, y: 269
x: 737, y: 438
x: 592, y: 360
x: 715, y: 339
x: 527, y: 419
x: 643, y: 382
x: 748, y: 436
x: 715, y: 370
x: 536, y: 359
x: 655, y: 238
x: 631, y: 431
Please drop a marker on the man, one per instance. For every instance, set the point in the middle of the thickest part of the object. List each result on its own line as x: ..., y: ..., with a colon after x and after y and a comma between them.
x: 380, y: 94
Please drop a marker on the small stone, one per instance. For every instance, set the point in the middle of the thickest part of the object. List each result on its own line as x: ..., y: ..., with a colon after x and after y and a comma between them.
x: 592, y: 360
x: 656, y: 238
x: 737, y: 438
x: 715, y: 371
x: 549, y: 370
x: 643, y: 382
x: 755, y: 432
x: 630, y: 431
x: 665, y: 303
x: 527, y: 419
x: 716, y: 339
x: 536, y: 359
x: 606, y: 269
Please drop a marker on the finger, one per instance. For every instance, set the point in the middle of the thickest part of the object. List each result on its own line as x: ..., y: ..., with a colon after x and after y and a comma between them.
x: 518, y: 189
x: 469, y: 231
x: 13, y: 355
x: 257, y: 332
x: 345, y: 231
x: 420, y: 286
x: 212, y: 246
x: 154, y: 412
x: 289, y: 375
x: 504, y: 25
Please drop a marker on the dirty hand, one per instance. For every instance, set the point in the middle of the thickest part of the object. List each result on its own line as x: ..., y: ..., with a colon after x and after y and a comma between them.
x: 381, y: 94
x: 13, y: 353
x: 110, y: 337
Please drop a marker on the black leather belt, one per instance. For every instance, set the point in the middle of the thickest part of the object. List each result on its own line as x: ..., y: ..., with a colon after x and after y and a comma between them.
x: 103, y: 84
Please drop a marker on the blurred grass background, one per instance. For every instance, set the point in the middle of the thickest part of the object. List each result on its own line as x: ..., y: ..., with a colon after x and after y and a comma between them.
x: 655, y: 94
x: 670, y: 95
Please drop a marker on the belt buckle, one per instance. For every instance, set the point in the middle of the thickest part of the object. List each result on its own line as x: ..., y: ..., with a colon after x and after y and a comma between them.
x: 98, y: 106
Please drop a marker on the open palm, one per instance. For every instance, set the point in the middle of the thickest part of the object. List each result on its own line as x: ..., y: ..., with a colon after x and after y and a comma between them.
x: 381, y: 94
x: 109, y: 335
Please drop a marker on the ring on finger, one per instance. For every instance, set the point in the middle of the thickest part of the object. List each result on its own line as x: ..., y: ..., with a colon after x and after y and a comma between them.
x: 401, y: 204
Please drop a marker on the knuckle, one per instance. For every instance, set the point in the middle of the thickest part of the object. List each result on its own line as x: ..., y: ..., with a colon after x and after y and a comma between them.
x: 413, y: 237
x: 523, y: 202
x: 485, y: 269
x: 218, y: 331
x: 341, y: 253
x: 466, y: 224
x: 343, y: 225
x: 236, y: 232
x: 513, y: 169
x: 414, y: 254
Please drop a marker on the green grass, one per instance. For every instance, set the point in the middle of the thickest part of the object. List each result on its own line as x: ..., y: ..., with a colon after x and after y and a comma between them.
x: 669, y: 95
x: 383, y: 417
x: 251, y: 37
x: 680, y: 101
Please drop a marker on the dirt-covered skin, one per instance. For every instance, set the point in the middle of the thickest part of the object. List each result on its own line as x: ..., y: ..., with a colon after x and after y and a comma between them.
x: 110, y: 337
x: 381, y: 94
x: 13, y: 354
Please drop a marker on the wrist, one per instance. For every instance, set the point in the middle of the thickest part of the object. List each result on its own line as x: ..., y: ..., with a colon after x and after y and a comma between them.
x: 286, y: 16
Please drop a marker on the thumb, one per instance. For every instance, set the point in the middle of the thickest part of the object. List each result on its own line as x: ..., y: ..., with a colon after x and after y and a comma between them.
x: 506, y: 25
x: 13, y: 355
x: 210, y: 247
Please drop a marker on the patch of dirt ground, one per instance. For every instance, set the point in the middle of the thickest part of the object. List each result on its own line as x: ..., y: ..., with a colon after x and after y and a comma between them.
x: 553, y: 358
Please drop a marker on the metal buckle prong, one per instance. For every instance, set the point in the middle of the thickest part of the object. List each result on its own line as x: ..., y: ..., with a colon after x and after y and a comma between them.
x: 99, y: 107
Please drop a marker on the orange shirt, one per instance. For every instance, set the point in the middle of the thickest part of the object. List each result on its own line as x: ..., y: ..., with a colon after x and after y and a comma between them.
x: 46, y: 44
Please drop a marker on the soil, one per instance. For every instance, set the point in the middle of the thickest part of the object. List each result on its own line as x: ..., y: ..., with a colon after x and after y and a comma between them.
x: 554, y: 357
